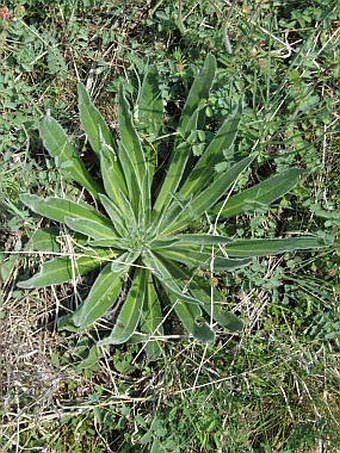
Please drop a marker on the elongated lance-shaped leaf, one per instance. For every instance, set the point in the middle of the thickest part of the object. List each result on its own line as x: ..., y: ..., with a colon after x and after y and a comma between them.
x: 93, y: 122
x: 192, y: 319
x: 254, y: 247
x: 66, y: 268
x: 196, y: 258
x: 199, y: 91
x: 45, y: 239
x: 224, y: 317
x: 125, y: 260
x: 170, y: 214
x: 129, y: 214
x: 191, y: 120
x: 144, y: 211
x: 261, y: 195
x: 264, y: 247
x: 58, y: 145
x: 93, y: 229
x: 58, y: 209
x: 112, y: 174
x: 176, y: 169
x: 113, y: 243
x: 202, y: 290
x: 151, y: 320
x: 208, y: 198
x: 130, y: 139
x: 133, y: 184
x: 115, y: 215
x: 216, y: 152
x: 91, y: 360
x: 102, y: 296
x: 150, y: 108
x: 130, y: 313
x: 160, y: 271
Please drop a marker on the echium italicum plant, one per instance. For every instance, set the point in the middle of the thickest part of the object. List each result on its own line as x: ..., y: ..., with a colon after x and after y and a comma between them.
x: 144, y: 231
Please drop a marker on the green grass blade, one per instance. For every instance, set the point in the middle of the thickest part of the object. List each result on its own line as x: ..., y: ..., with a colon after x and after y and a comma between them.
x: 261, y: 195
x: 130, y: 313
x: 64, y: 269
x: 102, y: 296
x: 93, y: 123
x: 57, y: 143
x: 58, y: 209
x: 130, y: 139
x: 216, y: 152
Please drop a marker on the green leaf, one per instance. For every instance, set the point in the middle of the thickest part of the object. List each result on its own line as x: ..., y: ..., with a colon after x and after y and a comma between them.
x: 130, y: 170
x: 201, y: 289
x: 144, y: 211
x: 219, y: 147
x: 192, y: 319
x: 225, y: 318
x: 264, y: 247
x: 151, y: 320
x: 190, y: 121
x: 58, y: 209
x: 93, y: 229
x: 93, y: 122
x: 91, y: 361
x: 129, y: 214
x: 261, y: 195
x: 58, y: 145
x: 208, y: 197
x: 125, y: 260
x: 196, y: 258
x: 45, y: 239
x: 199, y: 91
x: 112, y: 174
x: 161, y: 272
x: 115, y: 215
x: 64, y: 269
x: 103, y: 294
x: 130, y: 313
x: 130, y: 139
x: 111, y: 242
x: 253, y: 247
x: 179, y: 159
x: 150, y: 104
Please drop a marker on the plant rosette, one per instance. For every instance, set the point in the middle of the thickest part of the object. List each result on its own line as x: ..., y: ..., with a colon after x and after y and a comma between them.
x: 142, y: 238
